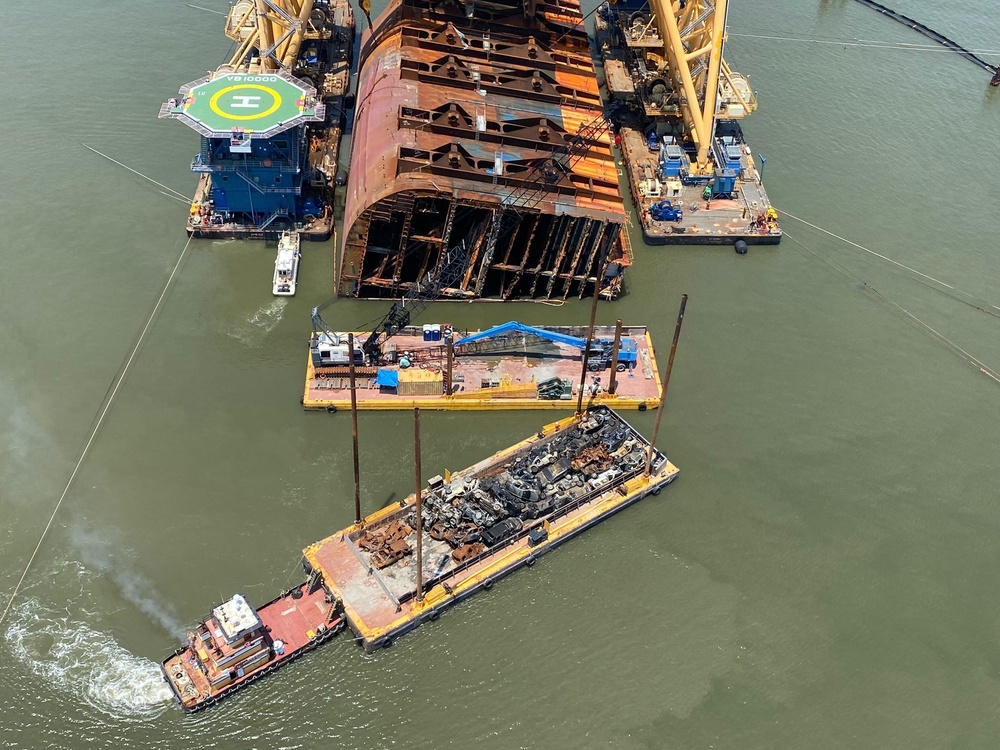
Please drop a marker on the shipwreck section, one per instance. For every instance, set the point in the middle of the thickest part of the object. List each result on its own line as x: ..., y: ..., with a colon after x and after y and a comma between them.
x: 482, y: 122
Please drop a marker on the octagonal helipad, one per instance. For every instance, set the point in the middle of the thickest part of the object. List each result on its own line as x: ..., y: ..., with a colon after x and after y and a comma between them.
x: 262, y: 104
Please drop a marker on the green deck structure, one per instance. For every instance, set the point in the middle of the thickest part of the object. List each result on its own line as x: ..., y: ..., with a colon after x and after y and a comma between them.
x: 263, y: 104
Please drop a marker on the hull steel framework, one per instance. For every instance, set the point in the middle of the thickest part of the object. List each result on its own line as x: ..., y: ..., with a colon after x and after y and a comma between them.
x: 456, y: 109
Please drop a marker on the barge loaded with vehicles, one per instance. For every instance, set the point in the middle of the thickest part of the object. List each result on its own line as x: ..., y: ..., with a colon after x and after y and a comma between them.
x: 678, y: 106
x: 403, y: 565
x: 270, y: 121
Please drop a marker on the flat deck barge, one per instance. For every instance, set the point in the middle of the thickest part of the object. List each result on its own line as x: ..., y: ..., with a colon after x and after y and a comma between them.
x: 715, y: 221
x: 531, y: 374
x: 484, y: 522
x: 677, y: 106
x: 478, y: 525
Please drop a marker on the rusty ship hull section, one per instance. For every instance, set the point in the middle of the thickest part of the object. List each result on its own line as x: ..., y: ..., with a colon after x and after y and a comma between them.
x: 454, y: 115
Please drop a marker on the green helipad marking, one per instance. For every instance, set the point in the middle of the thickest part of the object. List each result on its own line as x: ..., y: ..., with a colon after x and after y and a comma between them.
x: 245, y: 101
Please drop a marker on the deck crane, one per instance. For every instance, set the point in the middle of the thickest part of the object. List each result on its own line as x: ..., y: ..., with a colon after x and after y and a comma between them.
x: 417, y: 298
x: 269, y: 33
x: 514, y: 335
x: 329, y: 348
x: 683, y: 42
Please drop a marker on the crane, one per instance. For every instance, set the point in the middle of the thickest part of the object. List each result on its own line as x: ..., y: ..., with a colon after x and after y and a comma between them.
x: 683, y: 42
x: 417, y: 298
x: 272, y: 31
x: 329, y: 348
x: 511, y: 335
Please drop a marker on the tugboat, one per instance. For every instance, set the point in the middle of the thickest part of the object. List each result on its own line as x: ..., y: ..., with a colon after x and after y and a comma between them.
x: 236, y: 644
x: 286, y: 265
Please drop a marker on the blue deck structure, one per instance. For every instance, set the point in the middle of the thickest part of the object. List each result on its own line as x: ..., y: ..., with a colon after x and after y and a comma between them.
x: 254, y: 146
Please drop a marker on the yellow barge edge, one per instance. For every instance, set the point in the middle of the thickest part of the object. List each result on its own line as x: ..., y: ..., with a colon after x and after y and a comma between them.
x: 485, y: 400
x: 504, y: 561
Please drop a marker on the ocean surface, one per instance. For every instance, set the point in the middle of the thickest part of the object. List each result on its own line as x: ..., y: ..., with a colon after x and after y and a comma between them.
x: 822, y: 575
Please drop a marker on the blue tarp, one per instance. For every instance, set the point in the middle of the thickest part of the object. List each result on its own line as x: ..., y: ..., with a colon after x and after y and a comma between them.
x: 387, y: 378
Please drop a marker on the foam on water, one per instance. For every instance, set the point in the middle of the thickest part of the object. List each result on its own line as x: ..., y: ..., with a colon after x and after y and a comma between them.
x: 76, y: 659
x: 259, y: 324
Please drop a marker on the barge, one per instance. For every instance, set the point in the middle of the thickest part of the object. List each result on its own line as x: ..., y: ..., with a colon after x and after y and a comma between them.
x: 481, y: 524
x: 511, y: 366
x: 677, y: 107
x: 477, y: 526
x: 270, y: 121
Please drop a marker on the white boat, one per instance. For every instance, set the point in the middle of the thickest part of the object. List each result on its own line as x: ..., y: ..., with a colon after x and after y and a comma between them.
x: 286, y: 265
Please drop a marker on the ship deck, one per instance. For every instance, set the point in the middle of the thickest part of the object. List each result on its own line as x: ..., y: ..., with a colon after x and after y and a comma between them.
x: 380, y: 605
x: 297, y: 622
x: 717, y: 222
x: 204, y: 228
x: 494, y: 382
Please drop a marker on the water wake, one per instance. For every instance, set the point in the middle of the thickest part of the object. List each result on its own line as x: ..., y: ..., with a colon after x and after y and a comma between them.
x: 261, y: 323
x: 76, y: 659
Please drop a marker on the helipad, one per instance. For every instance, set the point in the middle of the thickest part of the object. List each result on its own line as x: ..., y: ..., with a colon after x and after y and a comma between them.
x: 262, y: 104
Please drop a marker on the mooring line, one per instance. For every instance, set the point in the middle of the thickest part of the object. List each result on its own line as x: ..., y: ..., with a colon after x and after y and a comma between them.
x: 210, y: 10
x: 935, y: 334
x: 174, y: 197
x: 983, y: 367
x: 93, y: 434
x: 135, y: 171
x: 932, y: 34
x: 897, y: 263
x: 905, y: 46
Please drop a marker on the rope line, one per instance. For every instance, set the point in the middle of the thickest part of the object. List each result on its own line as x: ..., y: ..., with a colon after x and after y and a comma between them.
x: 174, y: 197
x: 933, y: 332
x: 900, y: 265
x: 209, y: 10
x: 181, y: 196
x: 93, y: 434
x: 905, y: 46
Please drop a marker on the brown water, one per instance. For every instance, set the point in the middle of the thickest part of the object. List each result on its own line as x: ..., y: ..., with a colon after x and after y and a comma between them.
x: 821, y: 575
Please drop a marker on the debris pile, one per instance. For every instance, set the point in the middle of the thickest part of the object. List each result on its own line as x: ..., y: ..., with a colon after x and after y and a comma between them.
x: 475, y: 514
x: 386, y: 544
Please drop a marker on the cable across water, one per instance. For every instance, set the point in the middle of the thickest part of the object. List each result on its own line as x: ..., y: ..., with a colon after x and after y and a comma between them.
x: 97, y: 426
x: 932, y: 332
x: 176, y: 195
x: 995, y: 312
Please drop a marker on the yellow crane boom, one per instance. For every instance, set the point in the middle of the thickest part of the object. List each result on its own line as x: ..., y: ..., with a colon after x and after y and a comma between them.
x: 273, y: 28
x: 692, y: 34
